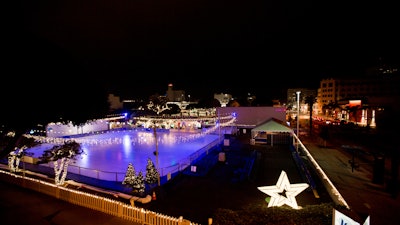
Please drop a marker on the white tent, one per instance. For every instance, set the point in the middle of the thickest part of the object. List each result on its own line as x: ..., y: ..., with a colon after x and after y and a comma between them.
x: 270, y: 129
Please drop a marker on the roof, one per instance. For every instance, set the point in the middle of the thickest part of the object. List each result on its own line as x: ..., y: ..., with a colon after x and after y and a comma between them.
x: 273, y: 125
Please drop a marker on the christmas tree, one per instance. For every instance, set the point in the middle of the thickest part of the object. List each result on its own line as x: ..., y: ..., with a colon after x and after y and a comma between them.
x: 130, y: 176
x: 139, y: 183
x: 151, y: 172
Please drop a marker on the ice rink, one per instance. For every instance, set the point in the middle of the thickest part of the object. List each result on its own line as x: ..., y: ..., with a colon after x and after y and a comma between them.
x: 107, y: 155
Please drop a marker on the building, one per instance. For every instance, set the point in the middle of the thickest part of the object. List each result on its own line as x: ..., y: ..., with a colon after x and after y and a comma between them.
x: 115, y: 102
x: 337, y: 95
x: 223, y: 98
x: 175, y: 95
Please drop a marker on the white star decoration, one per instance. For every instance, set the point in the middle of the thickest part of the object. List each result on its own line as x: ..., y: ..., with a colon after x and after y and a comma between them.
x: 283, y: 185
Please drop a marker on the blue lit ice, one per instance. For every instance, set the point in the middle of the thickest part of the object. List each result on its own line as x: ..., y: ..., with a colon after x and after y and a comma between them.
x: 107, y: 155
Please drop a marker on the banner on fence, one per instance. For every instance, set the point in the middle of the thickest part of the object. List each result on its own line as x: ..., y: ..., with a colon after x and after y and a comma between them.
x: 342, y: 219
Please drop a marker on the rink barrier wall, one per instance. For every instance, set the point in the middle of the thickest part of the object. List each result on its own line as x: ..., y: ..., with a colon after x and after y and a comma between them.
x: 166, y: 173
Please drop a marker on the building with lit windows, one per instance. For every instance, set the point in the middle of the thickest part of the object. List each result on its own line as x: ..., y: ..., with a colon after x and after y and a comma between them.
x: 337, y: 96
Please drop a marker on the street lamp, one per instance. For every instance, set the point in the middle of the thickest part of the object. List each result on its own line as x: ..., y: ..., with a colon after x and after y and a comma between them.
x: 298, y: 116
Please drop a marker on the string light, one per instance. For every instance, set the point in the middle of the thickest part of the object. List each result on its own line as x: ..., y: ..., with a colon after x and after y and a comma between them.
x: 143, y: 136
x: 14, y: 158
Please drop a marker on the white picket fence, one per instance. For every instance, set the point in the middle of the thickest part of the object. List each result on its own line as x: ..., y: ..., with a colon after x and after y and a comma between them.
x: 102, y: 204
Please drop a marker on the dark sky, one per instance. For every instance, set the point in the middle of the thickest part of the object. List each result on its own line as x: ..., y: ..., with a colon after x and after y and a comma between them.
x: 134, y: 48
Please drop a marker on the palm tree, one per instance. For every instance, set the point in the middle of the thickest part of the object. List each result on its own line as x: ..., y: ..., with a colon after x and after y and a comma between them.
x: 158, y: 103
x: 15, y: 156
x: 310, y: 100
x: 61, y: 156
x: 353, y: 110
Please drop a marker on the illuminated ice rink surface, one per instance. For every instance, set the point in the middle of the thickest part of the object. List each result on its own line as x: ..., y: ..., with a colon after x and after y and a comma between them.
x: 110, y: 153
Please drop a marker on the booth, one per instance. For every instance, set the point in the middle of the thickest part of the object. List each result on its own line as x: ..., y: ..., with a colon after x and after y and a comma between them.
x: 270, y: 132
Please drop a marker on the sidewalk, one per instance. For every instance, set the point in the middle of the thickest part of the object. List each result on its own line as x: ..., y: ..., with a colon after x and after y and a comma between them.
x: 355, y: 185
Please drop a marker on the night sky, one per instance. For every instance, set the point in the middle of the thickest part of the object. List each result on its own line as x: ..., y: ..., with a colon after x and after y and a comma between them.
x: 134, y: 48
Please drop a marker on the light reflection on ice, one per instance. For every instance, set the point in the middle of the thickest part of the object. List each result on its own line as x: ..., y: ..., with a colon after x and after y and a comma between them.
x: 113, y: 151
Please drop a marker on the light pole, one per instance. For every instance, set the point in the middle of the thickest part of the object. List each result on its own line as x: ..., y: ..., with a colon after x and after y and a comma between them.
x: 156, y: 153
x: 298, y: 117
x: 219, y: 129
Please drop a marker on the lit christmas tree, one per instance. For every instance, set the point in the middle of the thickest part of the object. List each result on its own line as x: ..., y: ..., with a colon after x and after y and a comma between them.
x: 139, y: 186
x: 151, y: 172
x: 130, y: 176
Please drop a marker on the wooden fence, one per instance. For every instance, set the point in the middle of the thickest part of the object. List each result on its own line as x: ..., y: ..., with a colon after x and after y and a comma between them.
x: 102, y: 204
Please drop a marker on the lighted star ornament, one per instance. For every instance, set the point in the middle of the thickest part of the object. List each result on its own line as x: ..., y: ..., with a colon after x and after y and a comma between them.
x: 283, y: 192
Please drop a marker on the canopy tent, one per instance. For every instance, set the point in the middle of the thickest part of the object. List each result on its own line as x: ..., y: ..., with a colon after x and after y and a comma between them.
x: 265, y: 132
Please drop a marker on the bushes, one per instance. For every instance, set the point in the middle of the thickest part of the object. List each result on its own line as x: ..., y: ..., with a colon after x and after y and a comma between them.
x: 310, y: 215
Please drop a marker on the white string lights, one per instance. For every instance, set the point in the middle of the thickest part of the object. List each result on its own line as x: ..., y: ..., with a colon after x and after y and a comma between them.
x: 283, y: 193
x: 142, y: 136
x: 14, y: 158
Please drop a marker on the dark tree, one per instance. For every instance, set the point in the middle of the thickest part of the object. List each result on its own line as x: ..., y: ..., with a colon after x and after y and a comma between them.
x: 172, y: 109
x: 208, y: 103
x: 310, y: 100
x: 353, y: 111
